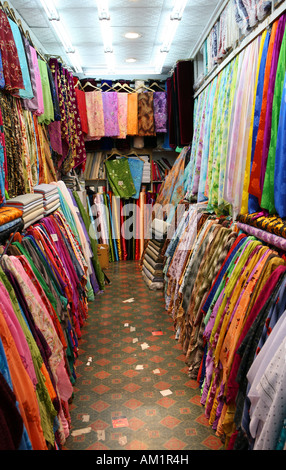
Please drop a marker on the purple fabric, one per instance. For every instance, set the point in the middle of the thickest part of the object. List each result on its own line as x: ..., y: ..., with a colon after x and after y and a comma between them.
x: 110, y: 111
x: 270, y: 94
x: 160, y: 111
x: 270, y: 238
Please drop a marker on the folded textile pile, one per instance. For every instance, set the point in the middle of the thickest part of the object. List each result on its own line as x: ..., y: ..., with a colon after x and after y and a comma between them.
x: 31, y: 205
x: 51, y: 199
x: 70, y: 182
x: 146, y: 176
x: 10, y: 221
x: 152, y: 268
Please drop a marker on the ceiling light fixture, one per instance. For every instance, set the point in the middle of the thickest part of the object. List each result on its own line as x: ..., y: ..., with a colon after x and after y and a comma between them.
x: 130, y: 60
x: 63, y: 36
x: 170, y: 31
x: 132, y: 35
x: 50, y: 10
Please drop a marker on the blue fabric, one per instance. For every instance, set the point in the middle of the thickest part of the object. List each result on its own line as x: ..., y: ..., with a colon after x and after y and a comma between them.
x: 2, y: 79
x: 253, y: 204
x: 279, y: 172
x: 9, y: 225
x: 27, y: 93
x: 136, y: 169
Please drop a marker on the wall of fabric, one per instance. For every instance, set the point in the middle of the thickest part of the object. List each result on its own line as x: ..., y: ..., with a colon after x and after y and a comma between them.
x: 225, y: 291
x: 235, y: 22
x: 238, y: 132
x: 40, y: 121
x: 49, y: 274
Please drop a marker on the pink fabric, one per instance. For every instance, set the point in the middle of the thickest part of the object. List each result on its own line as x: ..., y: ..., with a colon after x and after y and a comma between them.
x: 95, y: 116
x: 122, y: 114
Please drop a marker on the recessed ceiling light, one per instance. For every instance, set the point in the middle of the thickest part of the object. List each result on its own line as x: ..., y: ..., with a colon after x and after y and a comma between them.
x: 132, y: 35
x: 131, y: 60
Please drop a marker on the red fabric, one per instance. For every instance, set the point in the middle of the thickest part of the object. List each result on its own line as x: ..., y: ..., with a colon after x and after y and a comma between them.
x: 254, y: 183
x: 10, y: 59
x: 80, y: 96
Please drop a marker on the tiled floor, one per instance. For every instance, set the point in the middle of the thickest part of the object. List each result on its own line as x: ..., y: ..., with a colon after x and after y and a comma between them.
x: 110, y: 390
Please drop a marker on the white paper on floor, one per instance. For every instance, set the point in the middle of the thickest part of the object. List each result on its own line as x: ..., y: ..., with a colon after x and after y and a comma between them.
x: 126, y: 325
x: 129, y: 300
x: 78, y: 432
x: 139, y: 367
x: 85, y: 418
x: 156, y: 371
x: 101, y: 435
x: 165, y: 393
x: 145, y: 346
x: 132, y: 328
x: 123, y: 441
x: 135, y: 340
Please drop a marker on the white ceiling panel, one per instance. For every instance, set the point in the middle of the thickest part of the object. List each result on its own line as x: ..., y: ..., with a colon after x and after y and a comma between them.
x: 147, y: 17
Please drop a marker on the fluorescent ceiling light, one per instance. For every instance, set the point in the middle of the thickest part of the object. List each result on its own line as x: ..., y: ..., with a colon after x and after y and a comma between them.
x: 132, y: 35
x: 178, y: 9
x: 106, y: 35
x: 121, y: 71
x: 63, y: 35
x: 50, y: 10
x: 170, y: 31
x: 131, y: 60
x: 103, y: 12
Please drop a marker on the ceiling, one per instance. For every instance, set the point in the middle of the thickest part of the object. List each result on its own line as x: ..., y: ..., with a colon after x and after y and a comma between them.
x: 147, y: 17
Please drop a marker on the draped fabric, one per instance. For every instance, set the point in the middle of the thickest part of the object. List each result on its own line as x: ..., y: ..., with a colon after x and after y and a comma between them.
x: 160, y: 111
x: 122, y: 114
x: 267, y: 199
x: 120, y: 179
x: 95, y: 117
x: 110, y: 112
x: 27, y: 92
x: 254, y: 185
x: 146, y: 125
x: 279, y: 177
x: 132, y: 114
x: 10, y: 59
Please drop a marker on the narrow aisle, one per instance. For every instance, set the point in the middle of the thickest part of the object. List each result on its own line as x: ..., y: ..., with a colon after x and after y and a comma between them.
x: 112, y: 390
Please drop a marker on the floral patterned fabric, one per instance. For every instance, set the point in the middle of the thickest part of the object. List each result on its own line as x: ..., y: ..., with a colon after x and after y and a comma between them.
x: 120, y: 178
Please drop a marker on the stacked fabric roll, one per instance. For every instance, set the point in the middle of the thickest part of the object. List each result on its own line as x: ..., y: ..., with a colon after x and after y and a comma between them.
x: 50, y: 196
x: 31, y: 205
x: 152, y: 269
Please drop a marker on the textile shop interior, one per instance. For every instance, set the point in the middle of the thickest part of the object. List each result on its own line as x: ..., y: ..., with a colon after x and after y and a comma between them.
x: 121, y: 144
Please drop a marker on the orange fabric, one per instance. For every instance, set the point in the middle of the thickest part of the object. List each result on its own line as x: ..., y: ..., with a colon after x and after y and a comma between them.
x: 23, y: 389
x: 236, y: 325
x: 8, y: 214
x: 254, y: 184
x: 132, y: 114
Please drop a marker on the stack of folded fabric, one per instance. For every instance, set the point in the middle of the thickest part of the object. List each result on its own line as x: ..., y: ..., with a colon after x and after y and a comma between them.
x: 50, y: 196
x: 70, y: 182
x: 10, y: 221
x: 31, y: 205
x: 152, y: 269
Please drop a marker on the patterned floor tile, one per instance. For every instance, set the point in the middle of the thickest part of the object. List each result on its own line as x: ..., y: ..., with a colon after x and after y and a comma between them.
x: 111, y: 388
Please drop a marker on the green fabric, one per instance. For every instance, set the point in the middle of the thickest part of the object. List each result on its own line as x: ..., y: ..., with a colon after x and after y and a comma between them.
x: 120, y: 178
x: 267, y: 199
x: 46, y: 407
x: 49, y: 115
x: 86, y: 220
